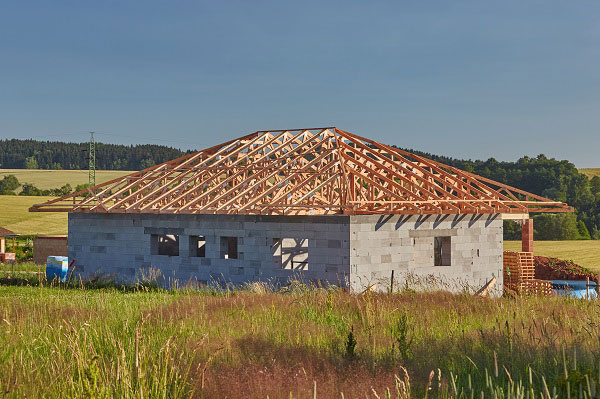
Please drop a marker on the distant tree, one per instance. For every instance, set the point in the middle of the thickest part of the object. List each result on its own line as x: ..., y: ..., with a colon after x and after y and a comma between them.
x: 146, y: 163
x: 9, y: 183
x: 556, y: 227
x: 595, y: 186
x: 64, y: 190
x: 31, y: 163
x: 595, y: 233
x: 512, y: 230
x: 81, y: 187
x: 30, y: 189
x: 584, y: 234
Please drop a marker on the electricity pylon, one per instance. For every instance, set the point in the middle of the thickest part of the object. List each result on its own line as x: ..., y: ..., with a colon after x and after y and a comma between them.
x: 92, y: 162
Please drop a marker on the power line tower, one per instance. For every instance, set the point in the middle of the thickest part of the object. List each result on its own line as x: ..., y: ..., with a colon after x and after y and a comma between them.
x: 92, y: 161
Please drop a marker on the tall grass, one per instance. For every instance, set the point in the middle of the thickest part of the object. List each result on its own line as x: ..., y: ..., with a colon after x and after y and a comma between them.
x: 150, y: 343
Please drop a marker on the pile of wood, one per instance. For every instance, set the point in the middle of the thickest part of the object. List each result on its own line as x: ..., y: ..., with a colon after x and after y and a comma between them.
x: 520, y: 277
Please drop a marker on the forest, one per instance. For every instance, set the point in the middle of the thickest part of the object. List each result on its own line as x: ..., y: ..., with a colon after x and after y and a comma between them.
x: 556, y: 179
x: 34, y: 154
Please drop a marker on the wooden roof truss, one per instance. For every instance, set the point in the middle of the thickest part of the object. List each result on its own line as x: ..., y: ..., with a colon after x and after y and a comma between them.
x: 305, y: 172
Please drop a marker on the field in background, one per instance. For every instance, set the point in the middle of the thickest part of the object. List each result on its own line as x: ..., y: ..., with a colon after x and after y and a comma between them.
x: 590, y: 172
x: 47, y: 179
x: 105, y: 343
x: 583, y: 252
x: 14, y: 215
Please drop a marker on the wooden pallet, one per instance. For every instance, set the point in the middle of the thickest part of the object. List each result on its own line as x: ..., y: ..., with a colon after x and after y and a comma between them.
x: 519, y: 275
x: 533, y: 287
x: 518, y: 266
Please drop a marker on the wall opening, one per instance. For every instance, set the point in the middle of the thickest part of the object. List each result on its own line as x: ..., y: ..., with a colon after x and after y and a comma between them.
x: 198, y: 246
x: 442, y: 255
x: 292, y: 253
x: 165, y: 244
x: 229, y: 247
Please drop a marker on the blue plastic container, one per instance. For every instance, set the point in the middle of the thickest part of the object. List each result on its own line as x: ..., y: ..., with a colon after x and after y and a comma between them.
x: 57, y: 267
x: 574, y: 288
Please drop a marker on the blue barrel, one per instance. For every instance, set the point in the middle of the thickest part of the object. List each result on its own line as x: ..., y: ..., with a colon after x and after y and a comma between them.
x: 57, y: 267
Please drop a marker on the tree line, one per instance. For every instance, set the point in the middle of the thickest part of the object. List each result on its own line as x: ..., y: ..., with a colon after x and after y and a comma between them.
x: 556, y: 179
x: 34, y: 154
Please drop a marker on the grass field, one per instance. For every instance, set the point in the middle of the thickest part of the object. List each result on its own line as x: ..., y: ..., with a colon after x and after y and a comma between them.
x: 14, y: 216
x: 583, y: 252
x: 91, y: 343
x: 590, y: 172
x: 47, y: 179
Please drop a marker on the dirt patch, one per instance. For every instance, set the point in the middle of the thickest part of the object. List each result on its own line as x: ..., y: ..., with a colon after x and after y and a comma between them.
x: 557, y: 269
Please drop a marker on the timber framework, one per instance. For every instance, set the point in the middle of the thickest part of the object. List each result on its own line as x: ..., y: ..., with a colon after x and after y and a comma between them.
x: 303, y: 172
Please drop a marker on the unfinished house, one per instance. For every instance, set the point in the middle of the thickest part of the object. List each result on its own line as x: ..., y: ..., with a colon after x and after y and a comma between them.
x: 318, y: 205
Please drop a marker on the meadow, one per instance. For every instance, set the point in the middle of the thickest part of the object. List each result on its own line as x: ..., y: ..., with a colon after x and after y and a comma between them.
x: 15, y: 216
x: 147, y: 343
x: 48, y: 179
x: 590, y: 172
x: 583, y: 252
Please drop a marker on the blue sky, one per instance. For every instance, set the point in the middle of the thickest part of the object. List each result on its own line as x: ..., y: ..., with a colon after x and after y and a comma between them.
x: 469, y: 79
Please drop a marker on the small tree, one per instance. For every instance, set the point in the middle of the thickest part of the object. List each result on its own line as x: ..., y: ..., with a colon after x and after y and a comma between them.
x: 584, y: 234
x: 9, y: 183
x: 30, y: 189
x: 595, y: 186
x: 31, y: 163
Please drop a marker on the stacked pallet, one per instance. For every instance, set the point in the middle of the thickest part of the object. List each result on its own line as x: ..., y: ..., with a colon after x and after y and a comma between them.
x: 519, y: 275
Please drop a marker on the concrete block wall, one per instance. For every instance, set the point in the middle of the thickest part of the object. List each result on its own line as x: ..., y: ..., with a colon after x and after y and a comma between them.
x: 354, y: 251
x: 405, y: 244
x: 119, y: 245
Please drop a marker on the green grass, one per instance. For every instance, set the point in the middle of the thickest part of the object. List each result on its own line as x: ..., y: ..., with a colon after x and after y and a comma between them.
x: 15, y: 216
x: 103, y: 343
x: 583, y: 252
x: 590, y: 172
x: 22, y: 267
x: 47, y: 179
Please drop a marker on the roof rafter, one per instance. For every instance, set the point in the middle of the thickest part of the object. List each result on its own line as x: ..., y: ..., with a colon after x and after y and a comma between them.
x: 303, y: 171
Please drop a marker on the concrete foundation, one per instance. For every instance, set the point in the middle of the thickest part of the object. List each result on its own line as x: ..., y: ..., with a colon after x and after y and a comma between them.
x: 349, y: 251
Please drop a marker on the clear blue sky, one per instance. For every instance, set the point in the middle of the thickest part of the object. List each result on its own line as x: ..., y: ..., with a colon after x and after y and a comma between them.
x: 469, y: 79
